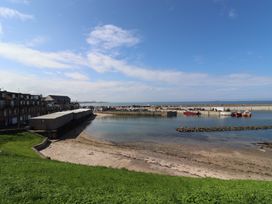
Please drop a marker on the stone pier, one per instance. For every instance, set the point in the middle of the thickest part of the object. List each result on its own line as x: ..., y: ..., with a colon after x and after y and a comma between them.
x: 222, y: 129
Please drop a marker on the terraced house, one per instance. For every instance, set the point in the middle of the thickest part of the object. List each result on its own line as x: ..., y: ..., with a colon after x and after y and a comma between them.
x: 17, y: 108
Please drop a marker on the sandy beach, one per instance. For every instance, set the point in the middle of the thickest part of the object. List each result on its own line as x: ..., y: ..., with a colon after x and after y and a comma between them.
x: 170, y: 159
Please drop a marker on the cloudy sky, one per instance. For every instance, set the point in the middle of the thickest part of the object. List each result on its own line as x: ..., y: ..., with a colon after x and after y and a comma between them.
x: 127, y: 50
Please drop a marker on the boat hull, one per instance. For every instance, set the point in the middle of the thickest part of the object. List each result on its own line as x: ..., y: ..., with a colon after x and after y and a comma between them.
x: 224, y: 113
x: 191, y: 113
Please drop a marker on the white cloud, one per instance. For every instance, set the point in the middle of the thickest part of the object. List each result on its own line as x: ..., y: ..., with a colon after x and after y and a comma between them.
x: 233, y: 14
x: 20, y: 1
x: 103, y: 63
x: 1, y: 30
x: 76, y: 76
x: 154, y: 84
x: 110, y: 36
x: 247, y: 80
x: 36, y: 58
x: 77, y: 90
x: 217, y: 88
x: 36, y: 41
x: 11, y: 13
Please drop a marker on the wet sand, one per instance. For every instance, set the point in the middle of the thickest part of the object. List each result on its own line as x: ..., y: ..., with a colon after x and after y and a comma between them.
x: 172, y: 159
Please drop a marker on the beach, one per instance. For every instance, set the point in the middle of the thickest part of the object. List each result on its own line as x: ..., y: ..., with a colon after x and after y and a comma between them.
x: 170, y: 159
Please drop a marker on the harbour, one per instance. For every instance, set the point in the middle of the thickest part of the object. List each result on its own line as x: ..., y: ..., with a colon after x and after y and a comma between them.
x: 114, y: 101
x: 213, y: 110
x: 126, y: 128
x: 152, y: 144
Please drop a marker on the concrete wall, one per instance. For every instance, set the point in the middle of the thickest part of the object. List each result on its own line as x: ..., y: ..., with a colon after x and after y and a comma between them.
x: 237, y: 107
x: 134, y: 113
x: 169, y: 114
x: 81, y: 114
x: 54, y: 123
x: 210, y: 113
x: 251, y: 108
x: 37, y: 148
x: 49, y: 123
x: 143, y: 113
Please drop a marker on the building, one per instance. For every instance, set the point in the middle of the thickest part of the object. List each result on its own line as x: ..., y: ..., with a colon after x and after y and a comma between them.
x: 57, y: 120
x: 54, y: 124
x: 59, y: 103
x: 57, y: 100
x: 218, y: 109
x: 17, y: 108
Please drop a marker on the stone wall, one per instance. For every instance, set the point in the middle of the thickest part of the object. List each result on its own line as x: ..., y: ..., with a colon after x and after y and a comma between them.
x: 222, y: 129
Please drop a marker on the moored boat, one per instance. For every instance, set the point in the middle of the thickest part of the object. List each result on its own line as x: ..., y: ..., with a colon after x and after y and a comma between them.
x: 225, y: 113
x: 237, y: 114
x: 192, y: 113
x: 246, y: 114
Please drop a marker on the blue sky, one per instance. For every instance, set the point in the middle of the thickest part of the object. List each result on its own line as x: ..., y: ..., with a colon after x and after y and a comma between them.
x: 126, y: 50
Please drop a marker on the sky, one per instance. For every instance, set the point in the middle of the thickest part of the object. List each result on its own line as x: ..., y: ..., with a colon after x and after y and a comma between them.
x: 137, y: 51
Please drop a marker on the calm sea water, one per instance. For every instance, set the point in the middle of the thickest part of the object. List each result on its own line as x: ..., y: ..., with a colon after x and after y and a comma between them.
x: 162, y: 129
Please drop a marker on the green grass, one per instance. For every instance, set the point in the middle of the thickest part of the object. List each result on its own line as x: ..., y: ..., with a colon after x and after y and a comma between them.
x: 20, y: 144
x: 26, y: 178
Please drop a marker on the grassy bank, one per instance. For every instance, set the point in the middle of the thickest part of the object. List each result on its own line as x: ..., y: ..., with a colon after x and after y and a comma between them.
x: 26, y: 178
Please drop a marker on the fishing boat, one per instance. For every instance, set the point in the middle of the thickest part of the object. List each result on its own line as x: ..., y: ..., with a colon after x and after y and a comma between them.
x: 237, y: 114
x: 246, y: 114
x: 225, y: 113
x: 192, y: 113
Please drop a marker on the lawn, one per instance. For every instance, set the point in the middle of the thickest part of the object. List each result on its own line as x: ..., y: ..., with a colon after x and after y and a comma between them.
x: 27, y: 178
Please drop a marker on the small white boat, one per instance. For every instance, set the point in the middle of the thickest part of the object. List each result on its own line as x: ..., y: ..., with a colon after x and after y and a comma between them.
x: 247, y: 114
x: 225, y: 113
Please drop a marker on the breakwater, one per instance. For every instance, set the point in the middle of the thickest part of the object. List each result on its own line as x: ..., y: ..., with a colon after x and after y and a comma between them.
x: 143, y: 113
x: 233, y: 107
x: 223, y: 129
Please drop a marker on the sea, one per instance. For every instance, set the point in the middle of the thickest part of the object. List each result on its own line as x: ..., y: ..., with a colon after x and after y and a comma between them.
x: 131, y: 129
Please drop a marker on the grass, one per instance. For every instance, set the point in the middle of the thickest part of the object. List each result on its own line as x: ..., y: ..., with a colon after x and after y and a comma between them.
x: 26, y: 178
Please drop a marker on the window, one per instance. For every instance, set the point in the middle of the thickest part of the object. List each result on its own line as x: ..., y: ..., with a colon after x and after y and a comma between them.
x: 2, y: 103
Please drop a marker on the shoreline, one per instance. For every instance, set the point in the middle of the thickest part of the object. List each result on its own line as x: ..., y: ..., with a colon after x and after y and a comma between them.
x: 168, y: 159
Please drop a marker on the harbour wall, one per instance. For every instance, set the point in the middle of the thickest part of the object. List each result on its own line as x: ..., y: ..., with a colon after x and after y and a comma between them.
x: 210, y: 113
x: 223, y: 129
x: 251, y: 108
x: 204, y: 113
x: 234, y: 107
x: 143, y: 113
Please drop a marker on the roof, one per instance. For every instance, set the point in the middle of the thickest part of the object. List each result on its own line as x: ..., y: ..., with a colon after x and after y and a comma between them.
x: 52, y: 115
x: 25, y: 94
x: 57, y: 98
x: 59, y: 114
